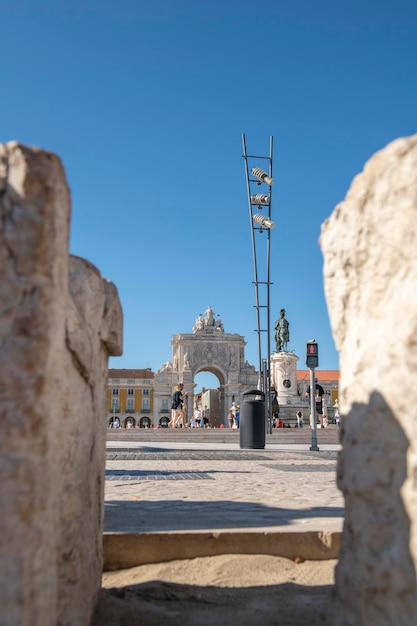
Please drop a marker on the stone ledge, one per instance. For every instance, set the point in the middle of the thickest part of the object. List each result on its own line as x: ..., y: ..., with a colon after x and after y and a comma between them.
x: 124, y: 550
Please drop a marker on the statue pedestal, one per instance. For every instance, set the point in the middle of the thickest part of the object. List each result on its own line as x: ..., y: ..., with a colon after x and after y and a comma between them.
x: 284, y: 377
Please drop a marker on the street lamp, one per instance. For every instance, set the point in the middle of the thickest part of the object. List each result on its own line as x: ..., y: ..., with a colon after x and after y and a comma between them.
x: 262, y: 176
x: 260, y: 199
x: 262, y: 221
x: 258, y: 223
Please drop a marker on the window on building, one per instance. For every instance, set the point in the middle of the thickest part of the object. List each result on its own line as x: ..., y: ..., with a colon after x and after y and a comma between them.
x: 145, y: 405
x: 130, y: 392
x: 130, y: 404
x: 115, y: 392
x: 145, y: 392
x: 115, y: 404
x: 165, y: 405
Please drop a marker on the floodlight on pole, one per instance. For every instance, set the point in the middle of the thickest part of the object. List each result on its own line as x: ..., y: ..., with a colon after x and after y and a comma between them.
x: 262, y: 221
x: 262, y: 176
x: 260, y: 198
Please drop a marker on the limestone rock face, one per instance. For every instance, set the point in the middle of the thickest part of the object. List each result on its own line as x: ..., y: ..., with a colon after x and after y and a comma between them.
x: 59, y: 321
x: 370, y: 272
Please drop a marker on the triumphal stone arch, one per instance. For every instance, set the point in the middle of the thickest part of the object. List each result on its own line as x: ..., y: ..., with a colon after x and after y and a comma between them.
x: 207, y: 349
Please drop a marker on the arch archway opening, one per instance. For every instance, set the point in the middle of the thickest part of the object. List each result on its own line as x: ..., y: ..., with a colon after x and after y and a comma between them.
x: 209, y: 398
x: 206, y: 380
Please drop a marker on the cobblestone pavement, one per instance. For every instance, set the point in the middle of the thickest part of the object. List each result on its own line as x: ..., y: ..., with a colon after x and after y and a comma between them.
x: 197, y: 482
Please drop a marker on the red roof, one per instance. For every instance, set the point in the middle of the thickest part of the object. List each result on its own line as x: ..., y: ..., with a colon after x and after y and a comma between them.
x: 323, y: 375
x: 148, y: 373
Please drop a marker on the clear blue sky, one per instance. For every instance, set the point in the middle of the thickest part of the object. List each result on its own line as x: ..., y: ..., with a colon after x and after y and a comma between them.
x: 145, y: 103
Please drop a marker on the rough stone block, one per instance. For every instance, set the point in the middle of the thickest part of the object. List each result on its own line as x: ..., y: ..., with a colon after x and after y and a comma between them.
x: 59, y: 321
x: 370, y: 271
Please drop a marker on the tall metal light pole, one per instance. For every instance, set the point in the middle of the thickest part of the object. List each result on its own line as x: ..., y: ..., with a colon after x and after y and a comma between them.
x: 260, y: 223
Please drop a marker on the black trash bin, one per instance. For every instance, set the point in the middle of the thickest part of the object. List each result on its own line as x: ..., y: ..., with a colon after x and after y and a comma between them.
x: 252, y: 419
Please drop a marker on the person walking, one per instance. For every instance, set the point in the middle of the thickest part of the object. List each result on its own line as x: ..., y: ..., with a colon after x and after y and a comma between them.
x: 237, y: 417
x: 197, y: 418
x: 177, y: 406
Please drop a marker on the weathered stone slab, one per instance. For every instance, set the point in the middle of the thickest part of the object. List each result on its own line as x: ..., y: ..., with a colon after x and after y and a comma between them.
x: 59, y: 321
x: 370, y: 251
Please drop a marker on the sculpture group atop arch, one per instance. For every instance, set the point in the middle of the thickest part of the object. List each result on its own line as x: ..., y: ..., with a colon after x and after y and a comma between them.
x: 208, y: 324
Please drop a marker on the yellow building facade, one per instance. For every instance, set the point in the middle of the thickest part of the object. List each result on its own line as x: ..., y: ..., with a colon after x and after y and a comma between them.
x: 130, y: 398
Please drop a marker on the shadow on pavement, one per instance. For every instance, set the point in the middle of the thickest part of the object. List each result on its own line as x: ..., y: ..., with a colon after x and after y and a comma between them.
x: 173, y: 515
